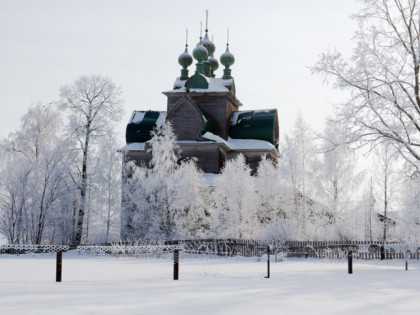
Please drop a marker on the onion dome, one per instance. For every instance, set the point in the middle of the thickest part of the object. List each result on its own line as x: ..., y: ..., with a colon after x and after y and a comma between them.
x: 211, y: 48
x: 214, y: 64
x: 227, y: 59
x: 200, y: 52
x: 185, y: 59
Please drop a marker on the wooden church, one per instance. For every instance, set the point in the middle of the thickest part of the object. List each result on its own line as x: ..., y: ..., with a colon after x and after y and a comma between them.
x: 207, y: 117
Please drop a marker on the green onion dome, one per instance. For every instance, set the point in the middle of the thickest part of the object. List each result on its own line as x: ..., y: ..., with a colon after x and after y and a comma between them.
x: 213, y: 63
x: 211, y: 48
x: 185, y: 59
x: 227, y: 59
x: 200, y: 52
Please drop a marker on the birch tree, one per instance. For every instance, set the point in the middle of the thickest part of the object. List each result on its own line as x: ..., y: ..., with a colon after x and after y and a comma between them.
x: 387, y: 179
x: 410, y: 223
x: 301, y: 167
x: 94, y: 106
x: 340, y: 177
x: 382, y: 77
x: 34, y: 175
x: 106, y: 189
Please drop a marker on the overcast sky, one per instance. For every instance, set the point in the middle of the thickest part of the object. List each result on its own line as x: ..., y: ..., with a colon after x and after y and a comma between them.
x: 46, y: 44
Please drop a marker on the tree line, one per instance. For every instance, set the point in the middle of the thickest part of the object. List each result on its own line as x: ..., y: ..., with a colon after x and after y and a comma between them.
x: 316, y: 191
x: 60, y: 169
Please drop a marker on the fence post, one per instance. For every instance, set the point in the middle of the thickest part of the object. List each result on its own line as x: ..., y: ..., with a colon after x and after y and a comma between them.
x: 176, y: 264
x: 268, y: 261
x: 382, y: 252
x: 350, y: 262
x: 59, y: 265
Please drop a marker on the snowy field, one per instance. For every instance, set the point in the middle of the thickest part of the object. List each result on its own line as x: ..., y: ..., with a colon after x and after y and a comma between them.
x: 207, y: 285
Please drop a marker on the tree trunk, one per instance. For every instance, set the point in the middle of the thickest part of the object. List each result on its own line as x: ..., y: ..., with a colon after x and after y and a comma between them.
x: 41, y: 218
x: 109, y: 211
x: 385, y: 204
x: 83, y: 189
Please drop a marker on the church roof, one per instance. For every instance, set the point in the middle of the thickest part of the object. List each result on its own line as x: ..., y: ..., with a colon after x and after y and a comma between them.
x: 255, y: 124
x: 213, y: 85
x: 241, y: 144
x: 142, y: 123
x: 243, y: 125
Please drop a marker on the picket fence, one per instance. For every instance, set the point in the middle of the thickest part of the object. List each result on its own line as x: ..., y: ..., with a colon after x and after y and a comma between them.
x: 306, y: 249
x: 244, y: 247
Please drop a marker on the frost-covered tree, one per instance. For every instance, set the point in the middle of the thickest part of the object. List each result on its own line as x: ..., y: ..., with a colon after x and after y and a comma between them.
x: 139, y: 216
x: 270, y: 192
x: 94, y: 106
x: 34, y: 175
x: 276, y: 208
x: 370, y: 206
x: 106, y: 190
x: 387, y: 179
x: 382, y: 77
x: 191, y: 210
x: 164, y: 164
x: 340, y: 178
x: 236, y: 201
x: 15, y: 199
x: 300, y: 167
x: 410, y: 214
x: 165, y: 200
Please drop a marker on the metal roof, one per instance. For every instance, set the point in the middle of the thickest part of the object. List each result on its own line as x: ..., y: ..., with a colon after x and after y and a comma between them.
x: 139, y: 130
x: 255, y: 124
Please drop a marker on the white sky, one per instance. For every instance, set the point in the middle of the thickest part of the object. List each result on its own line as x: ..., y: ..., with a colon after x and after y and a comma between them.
x: 46, y: 44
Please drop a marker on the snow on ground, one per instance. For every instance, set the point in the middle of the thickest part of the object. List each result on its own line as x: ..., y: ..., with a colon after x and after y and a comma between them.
x: 208, y: 285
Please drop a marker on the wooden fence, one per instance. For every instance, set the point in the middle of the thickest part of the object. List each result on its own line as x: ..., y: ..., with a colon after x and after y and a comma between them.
x: 306, y: 249
x: 249, y: 248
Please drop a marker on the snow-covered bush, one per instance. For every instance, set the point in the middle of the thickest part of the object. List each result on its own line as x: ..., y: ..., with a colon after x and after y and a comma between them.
x: 164, y: 201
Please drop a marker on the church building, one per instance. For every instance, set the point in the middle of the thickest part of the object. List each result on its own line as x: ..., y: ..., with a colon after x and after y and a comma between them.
x: 206, y: 116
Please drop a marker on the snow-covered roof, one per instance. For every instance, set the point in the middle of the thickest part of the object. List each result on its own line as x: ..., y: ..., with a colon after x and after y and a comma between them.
x: 232, y: 144
x: 215, y: 85
x: 255, y: 124
x: 142, y: 123
x: 138, y: 116
x: 240, y: 144
x: 236, y: 117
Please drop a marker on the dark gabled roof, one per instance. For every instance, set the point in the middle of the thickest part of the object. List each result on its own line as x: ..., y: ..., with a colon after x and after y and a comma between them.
x: 141, y: 124
x: 255, y: 124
